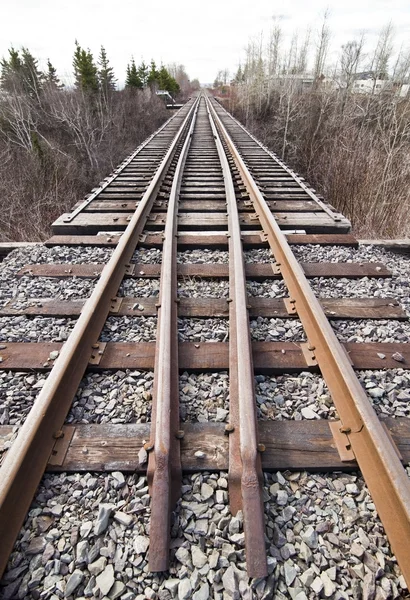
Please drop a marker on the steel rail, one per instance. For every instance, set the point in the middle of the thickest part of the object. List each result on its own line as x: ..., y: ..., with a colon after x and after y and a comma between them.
x: 164, y: 465
x: 108, y: 180
x: 26, y: 461
x: 375, y: 453
x: 335, y: 216
x: 245, y: 468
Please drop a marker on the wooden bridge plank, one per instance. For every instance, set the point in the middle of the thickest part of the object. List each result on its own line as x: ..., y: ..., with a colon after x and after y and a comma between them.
x: 126, y: 206
x: 313, y: 222
x: 209, y: 240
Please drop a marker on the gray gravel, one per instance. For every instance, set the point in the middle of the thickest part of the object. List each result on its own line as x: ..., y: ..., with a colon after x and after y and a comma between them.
x: 125, y: 396
x: 324, y: 537
x: 25, y: 288
x: 204, y: 397
x: 147, y: 255
x: 87, y: 535
x: 305, y: 395
x: 57, y: 254
x: 397, y: 286
x: 129, y: 329
x: 203, y: 256
x: 276, y: 330
x: 389, y: 391
x: 267, y: 288
x: 113, y: 397
x: 203, y: 288
x: 35, y: 329
x: 203, y: 330
x: 293, y: 397
x: 17, y: 394
x: 327, y: 539
x: 368, y: 330
x: 139, y: 288
x: 259, y: 255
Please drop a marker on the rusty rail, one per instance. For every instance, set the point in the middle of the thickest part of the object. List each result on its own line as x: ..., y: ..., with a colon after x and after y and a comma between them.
x: 25, y: 463
x: 373, y: 449
x: 164, y: 466
x: 245, y: 470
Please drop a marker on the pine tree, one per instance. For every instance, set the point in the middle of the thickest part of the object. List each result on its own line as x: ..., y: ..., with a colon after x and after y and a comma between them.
x: 85, y: 70
x: 153, y: 74
x: 51, y: 75
x: 143, y: 73
x: 10, y: 69
x: 133, y: 80
x: 21, y: 73
x: 106, y: 76
x: 33, y: 78
x: 166, y: 81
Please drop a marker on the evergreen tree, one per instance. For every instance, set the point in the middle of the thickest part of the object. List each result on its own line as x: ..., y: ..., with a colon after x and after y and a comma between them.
x: 143, y: 72
x: 239, y: 77
x: 10, y: 69
x: 51, y: 75
x: 106, y: 76
x: 153, y: 74
x: 32, y: 77
x: 166, y: 81
x: 133, y: 80
x: 85, y: 70
x: 21, y: 72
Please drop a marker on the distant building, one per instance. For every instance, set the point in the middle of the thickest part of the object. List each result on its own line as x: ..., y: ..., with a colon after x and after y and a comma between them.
x: 371, y: 86
x: 366, y: 83
x: 304, y: 82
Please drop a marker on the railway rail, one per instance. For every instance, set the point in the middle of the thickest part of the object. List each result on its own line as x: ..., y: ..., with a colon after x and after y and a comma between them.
x: 202, y: 181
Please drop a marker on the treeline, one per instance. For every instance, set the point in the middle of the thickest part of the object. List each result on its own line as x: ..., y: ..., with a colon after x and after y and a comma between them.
x: 20, y: 72
x: 344, y: 125
x: 58, y: 141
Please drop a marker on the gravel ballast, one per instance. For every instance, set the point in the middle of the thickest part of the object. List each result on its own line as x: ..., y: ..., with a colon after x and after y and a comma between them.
x: 129, y: 329
x: 203, y: 330
x: 87, y: 535
x: 35, y: 329
x: 203, y: 256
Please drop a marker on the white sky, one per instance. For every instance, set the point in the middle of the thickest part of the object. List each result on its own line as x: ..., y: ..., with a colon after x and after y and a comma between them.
x: 205, y: 36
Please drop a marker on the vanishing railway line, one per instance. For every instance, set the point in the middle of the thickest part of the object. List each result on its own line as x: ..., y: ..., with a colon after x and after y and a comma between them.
x: 202, y: 182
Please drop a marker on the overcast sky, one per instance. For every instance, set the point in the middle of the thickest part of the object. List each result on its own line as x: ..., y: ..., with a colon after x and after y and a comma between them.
x: 204, y: 36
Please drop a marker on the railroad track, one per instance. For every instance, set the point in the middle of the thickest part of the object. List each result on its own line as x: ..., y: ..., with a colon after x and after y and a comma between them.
x: 202, y: 182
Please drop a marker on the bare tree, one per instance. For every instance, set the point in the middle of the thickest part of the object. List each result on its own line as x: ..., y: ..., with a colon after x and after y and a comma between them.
x: 352, y: 54
x: 383, y: 52
x: 304, y: 53
x: 322, y: 46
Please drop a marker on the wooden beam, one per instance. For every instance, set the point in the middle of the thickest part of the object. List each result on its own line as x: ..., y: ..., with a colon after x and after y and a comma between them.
x: 289, y: 445
x: 195, y: 239
x: 268, y: 357
x: 257, y: 271
x: 335, y: 308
